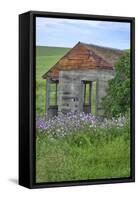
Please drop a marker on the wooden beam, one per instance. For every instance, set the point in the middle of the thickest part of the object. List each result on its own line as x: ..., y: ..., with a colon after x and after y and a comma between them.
x: 56, y: 92
x: 89, y: 97
x: 47, y: 94
x: 84, y: 94
x: 91, y: 93
x: 81, y: 97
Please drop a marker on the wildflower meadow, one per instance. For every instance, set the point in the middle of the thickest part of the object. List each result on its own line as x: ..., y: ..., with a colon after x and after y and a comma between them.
x: 79, y: 146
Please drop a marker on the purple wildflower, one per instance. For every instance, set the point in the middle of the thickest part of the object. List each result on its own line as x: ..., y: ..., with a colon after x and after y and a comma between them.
x: 62, y: 125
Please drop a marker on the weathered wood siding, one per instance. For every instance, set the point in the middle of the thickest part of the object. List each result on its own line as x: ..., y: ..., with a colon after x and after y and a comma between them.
x: 71, y: 90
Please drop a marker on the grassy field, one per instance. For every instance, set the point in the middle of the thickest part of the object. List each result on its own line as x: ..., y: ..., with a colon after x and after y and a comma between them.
x: 46, y: 57
x: 84, y: 155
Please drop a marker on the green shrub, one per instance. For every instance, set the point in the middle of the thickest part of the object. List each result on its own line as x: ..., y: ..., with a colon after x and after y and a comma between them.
x: 117, y: 99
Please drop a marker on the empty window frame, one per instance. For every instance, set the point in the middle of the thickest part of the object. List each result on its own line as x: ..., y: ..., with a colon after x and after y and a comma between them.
x: 53, y: 91
x: 87, y: 93
x: 93, y: 107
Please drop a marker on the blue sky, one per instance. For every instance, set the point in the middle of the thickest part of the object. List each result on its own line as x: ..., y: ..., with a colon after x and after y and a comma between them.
x: 68, y: 32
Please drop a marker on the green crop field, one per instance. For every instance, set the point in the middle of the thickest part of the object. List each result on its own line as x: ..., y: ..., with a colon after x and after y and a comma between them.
x: 46, y: 57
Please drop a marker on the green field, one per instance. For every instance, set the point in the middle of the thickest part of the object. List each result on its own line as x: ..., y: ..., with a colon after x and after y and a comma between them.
x: 84, y: 155
x: 46, y: 57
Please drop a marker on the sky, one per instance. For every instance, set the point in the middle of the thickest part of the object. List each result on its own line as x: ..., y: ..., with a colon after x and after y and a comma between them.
x: 67, y: 32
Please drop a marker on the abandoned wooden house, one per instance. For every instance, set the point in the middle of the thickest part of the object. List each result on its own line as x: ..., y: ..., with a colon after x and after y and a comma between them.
x: 72, y: 78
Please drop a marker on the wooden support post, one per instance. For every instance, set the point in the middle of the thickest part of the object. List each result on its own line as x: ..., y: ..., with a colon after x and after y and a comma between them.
x: 81, y: 97
x: 90, y: 96
x: 56, y: 92
x: 97, y: 97
x: 84, y: 93
x: 47, y: 94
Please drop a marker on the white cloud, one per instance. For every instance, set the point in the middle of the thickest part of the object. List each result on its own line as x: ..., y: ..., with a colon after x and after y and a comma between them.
x: 67, y: 31
x: 46, y: 22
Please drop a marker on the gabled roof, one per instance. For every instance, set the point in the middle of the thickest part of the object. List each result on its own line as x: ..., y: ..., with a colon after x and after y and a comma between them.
x: 85, y: 56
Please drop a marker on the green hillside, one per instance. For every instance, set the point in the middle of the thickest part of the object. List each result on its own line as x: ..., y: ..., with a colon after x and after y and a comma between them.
x: 50, y: 51
x: 46, y: 57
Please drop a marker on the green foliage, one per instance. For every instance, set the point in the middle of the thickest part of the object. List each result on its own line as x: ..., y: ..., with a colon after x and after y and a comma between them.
x: 103, y: 153
x: 117, y: 99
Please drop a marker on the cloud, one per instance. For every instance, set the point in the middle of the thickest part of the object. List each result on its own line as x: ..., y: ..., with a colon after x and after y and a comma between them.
x: 63, y: 32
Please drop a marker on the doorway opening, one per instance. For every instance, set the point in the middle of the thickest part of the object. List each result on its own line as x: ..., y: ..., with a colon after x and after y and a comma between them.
x: 89, y: 97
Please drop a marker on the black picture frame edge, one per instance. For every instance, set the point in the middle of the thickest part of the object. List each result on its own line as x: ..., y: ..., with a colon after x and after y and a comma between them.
x: 27, y: 99
x: 24, y: 146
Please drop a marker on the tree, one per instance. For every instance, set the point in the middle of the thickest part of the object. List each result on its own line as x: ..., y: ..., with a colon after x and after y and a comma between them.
x: 118, y: 95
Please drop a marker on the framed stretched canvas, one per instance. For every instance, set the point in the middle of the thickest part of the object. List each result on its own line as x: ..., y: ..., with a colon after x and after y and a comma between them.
x: 76, y: 99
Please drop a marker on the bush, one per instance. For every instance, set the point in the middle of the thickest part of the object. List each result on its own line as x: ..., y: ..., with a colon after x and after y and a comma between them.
x: 117, y: 99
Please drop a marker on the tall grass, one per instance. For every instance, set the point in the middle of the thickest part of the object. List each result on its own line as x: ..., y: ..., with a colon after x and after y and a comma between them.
x: 87, y: 154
